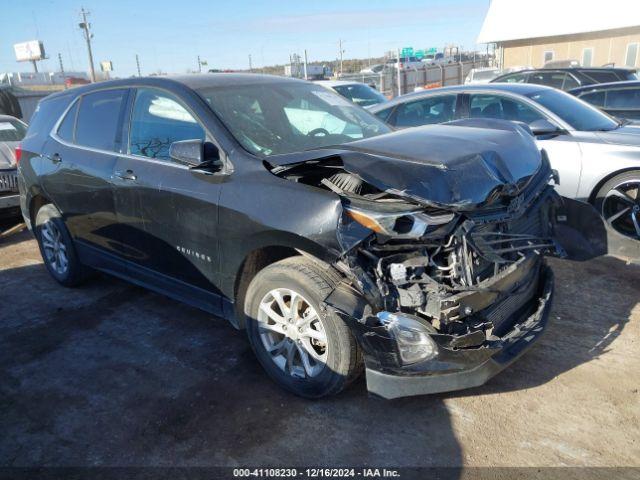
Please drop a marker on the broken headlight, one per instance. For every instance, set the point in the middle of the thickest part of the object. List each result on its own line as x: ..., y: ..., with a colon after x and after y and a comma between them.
x: 412, y: 337
x: 395, y: 219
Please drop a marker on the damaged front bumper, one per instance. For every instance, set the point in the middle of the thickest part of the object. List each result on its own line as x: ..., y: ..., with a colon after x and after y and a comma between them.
x: 521, y: 299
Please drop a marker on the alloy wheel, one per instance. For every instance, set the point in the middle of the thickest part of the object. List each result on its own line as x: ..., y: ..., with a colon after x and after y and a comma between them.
x: 55, y: 250
x: 621, y: 208
x: 292, y: 333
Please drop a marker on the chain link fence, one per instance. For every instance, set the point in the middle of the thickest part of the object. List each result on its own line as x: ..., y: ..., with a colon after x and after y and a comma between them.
x: 392, y: 83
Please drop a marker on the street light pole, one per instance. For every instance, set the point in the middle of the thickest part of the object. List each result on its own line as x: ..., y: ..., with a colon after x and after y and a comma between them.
x: 250, y: 66
x: 138, y: 65
x: 85, y: 26
x: 341, y: 52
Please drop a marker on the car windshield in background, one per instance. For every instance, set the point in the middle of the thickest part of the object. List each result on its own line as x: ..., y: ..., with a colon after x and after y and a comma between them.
x: 360, y: 94
x: 11, y: 131
x: 275, y: 119
x: 485, y: 75
x: 577, y: 113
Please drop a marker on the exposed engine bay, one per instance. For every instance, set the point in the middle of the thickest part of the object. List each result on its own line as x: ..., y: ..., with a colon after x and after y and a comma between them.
x: 459, y: 270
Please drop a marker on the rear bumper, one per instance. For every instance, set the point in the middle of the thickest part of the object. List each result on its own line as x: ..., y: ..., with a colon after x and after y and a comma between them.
x: 466, y: 368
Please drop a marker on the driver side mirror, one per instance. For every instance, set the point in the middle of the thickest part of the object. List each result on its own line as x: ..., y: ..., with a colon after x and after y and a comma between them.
x: 195, y: 153
x: 544, y: 127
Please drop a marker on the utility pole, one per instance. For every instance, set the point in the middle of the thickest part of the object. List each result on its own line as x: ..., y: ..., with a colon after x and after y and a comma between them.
x: 305, y: 65
x: 250, y: 66
x: 199, y: 65
x: 64, y: 77
x: 138, y: 65
x: 85, y: 26
x: 341, y: 52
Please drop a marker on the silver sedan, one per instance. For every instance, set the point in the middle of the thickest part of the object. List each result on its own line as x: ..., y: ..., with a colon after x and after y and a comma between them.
x: 596, y: 155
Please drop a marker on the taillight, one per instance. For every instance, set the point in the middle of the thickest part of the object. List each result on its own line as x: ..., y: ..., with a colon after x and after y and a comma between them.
x: 18, y: 153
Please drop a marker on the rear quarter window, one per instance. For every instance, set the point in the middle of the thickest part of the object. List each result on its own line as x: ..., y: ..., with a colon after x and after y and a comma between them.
x: 44, y: 118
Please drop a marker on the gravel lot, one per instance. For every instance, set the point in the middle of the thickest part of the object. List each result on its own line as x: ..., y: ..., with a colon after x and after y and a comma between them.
x: 110, y: 374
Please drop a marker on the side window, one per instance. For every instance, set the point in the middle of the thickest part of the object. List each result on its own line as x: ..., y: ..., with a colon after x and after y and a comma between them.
x: 602, y: 76
x: 515, y: 78
x: 98, y: 116
x: 502, y: 108
x: 384, y: 114
x: 587, y: 55
x: 626, y: 98
x: 65, y: 130
x: 552, y: 79
x: 594, y: 98
x: 631, y: 55
x: 437, y: 109
x: 570, y: 82
x: 157, y: 121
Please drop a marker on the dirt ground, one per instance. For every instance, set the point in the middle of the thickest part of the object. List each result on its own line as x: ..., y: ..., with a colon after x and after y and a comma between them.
x: 111, y: 374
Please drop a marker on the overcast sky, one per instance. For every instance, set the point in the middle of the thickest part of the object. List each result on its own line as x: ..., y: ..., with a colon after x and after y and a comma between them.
x: 169, y: 35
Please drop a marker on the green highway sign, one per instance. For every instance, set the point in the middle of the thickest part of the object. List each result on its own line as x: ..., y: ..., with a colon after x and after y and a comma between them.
x: 407, y: 52
x: 432, y: 50
x: 419, y: 54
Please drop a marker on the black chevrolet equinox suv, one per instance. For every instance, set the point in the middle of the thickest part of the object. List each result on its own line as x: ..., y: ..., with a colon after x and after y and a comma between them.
x: 337, y: 244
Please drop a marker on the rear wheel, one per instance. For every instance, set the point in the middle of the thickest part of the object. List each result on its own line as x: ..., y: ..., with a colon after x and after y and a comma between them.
x: 308, y: 352
x: 618, y: 201
x: 56, y: 247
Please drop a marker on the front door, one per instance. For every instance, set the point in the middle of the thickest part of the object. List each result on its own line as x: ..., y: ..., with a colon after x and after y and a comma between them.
x: 167, y: 212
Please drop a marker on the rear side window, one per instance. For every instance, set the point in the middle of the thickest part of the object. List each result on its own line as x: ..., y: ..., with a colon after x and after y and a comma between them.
x: 158, y: 120
x: 514, y: 78
x: 65, y: 130
x: 552, y: 79
x: 594, y: 98
x: 602, y: 76
x: 427, y: 111
x: 384, y: 114
x: 623, y: 99
x: 98, y: 115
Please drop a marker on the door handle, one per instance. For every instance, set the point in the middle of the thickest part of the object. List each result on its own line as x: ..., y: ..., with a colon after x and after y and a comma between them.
x: 125, y: 174
x: 55, y: 158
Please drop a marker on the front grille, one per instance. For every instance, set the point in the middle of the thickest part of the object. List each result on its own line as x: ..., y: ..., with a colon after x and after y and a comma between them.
x: 8, y: 181
x: 503, y: 315
x: 500, y: 242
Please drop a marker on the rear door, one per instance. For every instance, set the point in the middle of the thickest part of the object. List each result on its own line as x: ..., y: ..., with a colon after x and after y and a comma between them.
x: 82, y: 153
x: 167, y: 212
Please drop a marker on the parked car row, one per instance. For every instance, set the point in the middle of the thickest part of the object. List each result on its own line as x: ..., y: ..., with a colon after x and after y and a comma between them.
x: 596, y: 155
x: 568, y: 78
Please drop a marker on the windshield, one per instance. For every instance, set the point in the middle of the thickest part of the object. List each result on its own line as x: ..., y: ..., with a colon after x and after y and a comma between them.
x: 12, y: 131
x: 577, y: 113
x: 279, y: 118
x: 360, y: 94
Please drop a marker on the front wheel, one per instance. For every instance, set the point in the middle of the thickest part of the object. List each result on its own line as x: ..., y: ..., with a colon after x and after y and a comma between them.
x: 618, y: 201
x: 306, y: 351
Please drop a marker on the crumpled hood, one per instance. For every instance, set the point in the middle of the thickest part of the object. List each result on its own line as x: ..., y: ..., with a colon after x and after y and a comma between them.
x: 449, y: 165
x: 7, y: 155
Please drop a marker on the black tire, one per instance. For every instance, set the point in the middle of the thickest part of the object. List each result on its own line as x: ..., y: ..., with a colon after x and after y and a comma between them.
x: 624, y: 224
x: 313, y: 282
x: 48, y: 217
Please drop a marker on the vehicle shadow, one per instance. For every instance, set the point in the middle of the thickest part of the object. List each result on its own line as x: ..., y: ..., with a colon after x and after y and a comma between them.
x: 110, y: 374
x: 593, y: 302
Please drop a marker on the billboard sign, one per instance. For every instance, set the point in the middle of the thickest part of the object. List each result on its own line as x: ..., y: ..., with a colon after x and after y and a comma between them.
x: 29, y: 51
